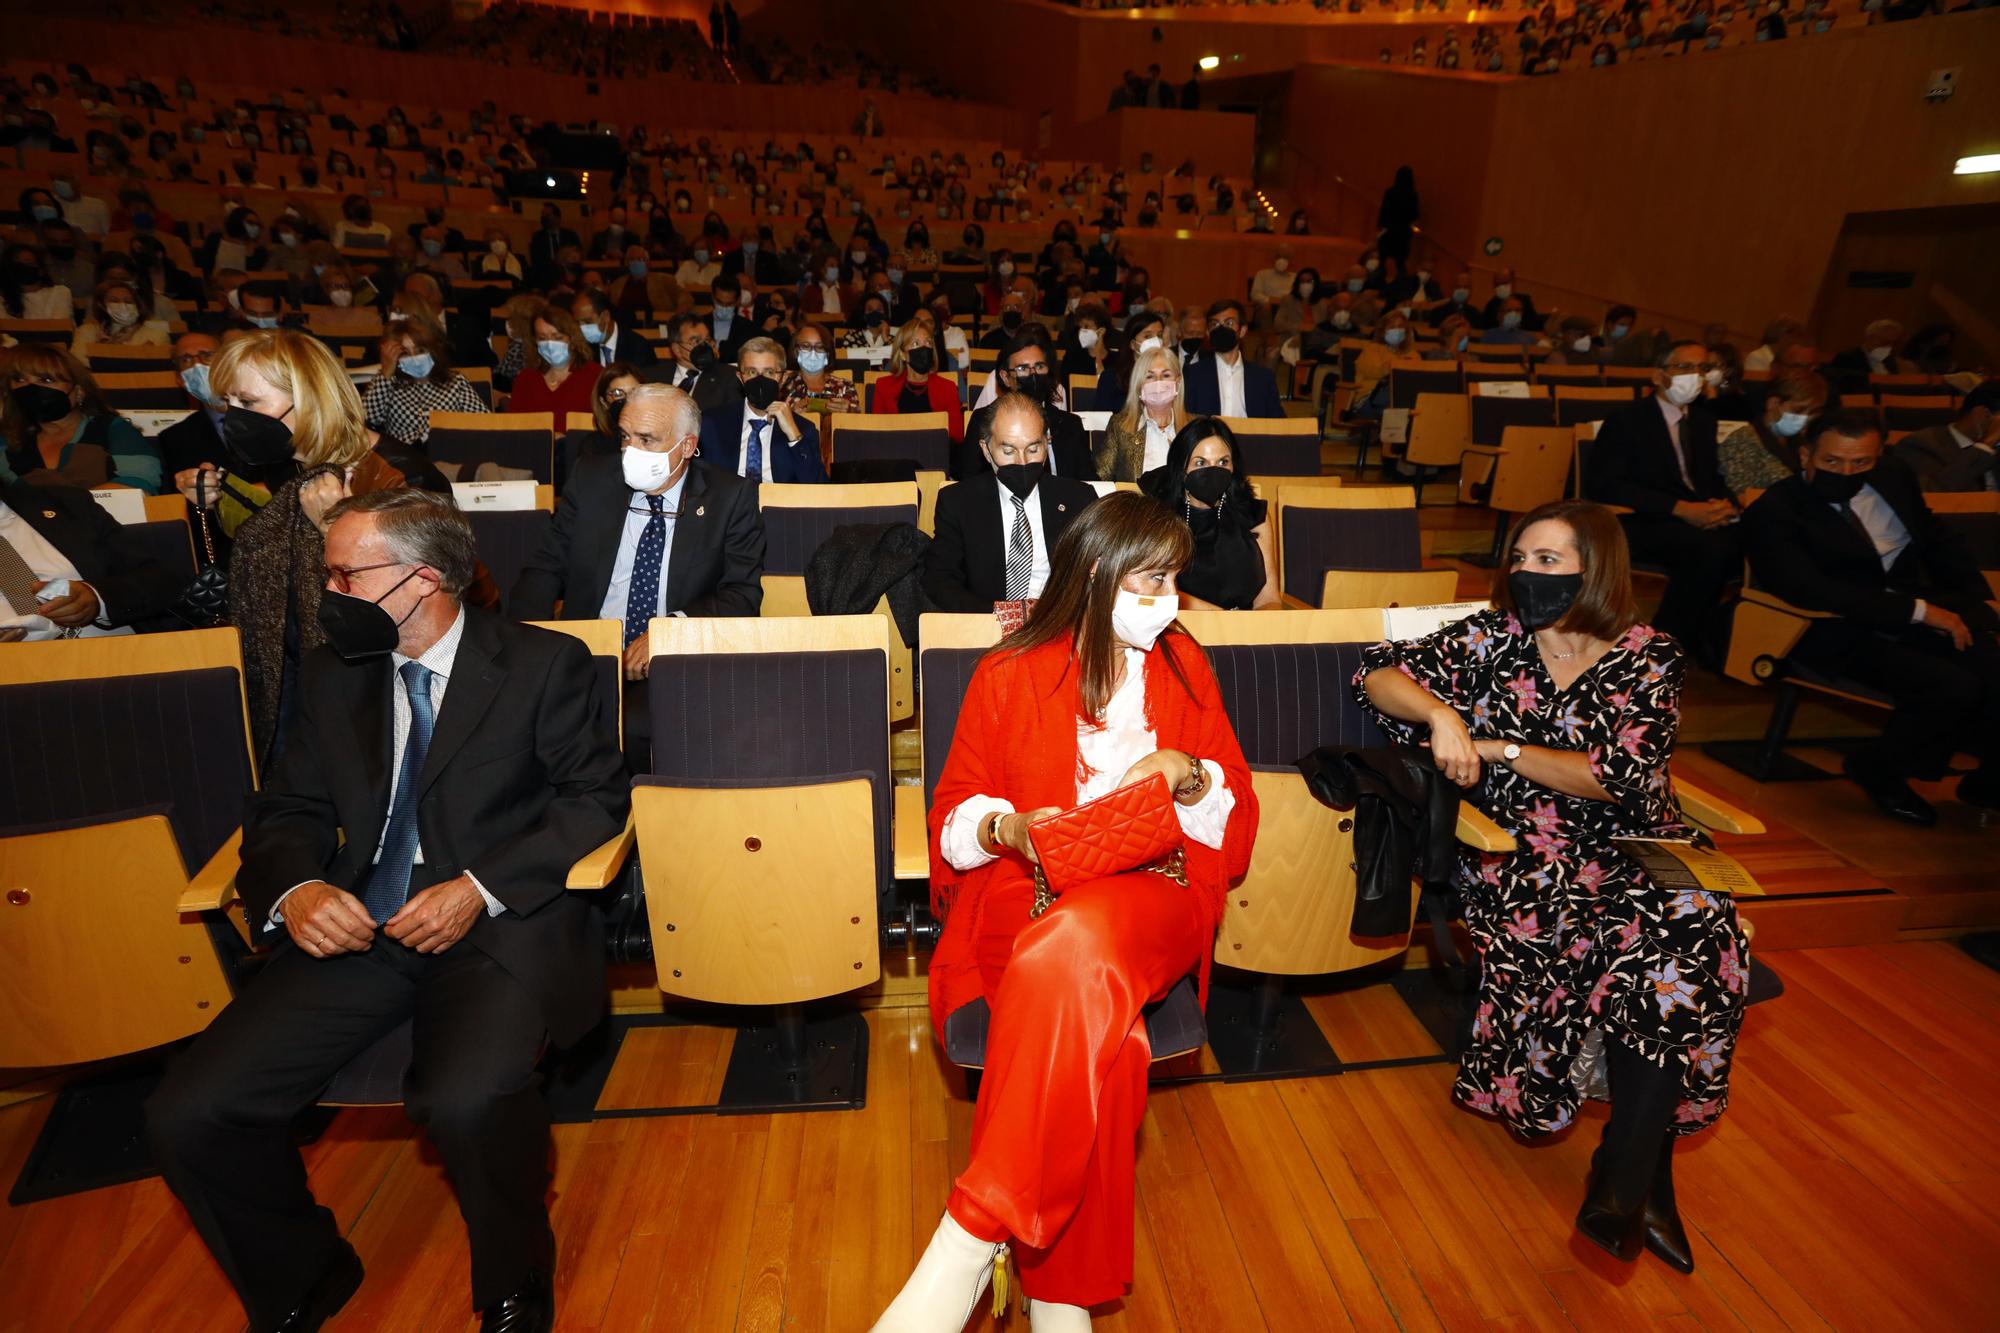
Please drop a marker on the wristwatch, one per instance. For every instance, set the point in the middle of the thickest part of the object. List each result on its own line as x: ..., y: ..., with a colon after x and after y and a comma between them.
x: 1510, y: 752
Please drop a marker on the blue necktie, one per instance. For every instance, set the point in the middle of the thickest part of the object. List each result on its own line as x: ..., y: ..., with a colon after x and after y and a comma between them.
x: 389, y: 885
x: 753, y: 463
x: 642, y: 597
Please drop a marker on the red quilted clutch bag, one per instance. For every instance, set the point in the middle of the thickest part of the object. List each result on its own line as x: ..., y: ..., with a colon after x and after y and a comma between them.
x: 1131, y: 828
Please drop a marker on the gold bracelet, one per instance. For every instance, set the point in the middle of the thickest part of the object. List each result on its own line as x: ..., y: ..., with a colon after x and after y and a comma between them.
x: 1197, y: 784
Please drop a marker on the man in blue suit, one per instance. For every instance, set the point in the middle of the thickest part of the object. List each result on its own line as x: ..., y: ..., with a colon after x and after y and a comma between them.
x: 1223, y: 383
x: 759, y: 437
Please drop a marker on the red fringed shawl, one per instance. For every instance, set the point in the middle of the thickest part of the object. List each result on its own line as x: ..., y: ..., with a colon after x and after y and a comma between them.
x: 1016, y: 739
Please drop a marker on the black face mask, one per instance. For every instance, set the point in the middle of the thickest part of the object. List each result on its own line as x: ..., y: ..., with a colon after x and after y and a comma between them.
x: 1021, y: 478
x: 1036, y: 386
x: 24, y: 275
x: 1222, y: 339
x: 1836, y: 488
x: 923, y: 360
x: 1540, y: 600
x: 1208, y: 484
x: 1011, y: 320
x: 702, y: 358
x: 760, y: 391
x: 874, y: 319
x: 41, y: 403
x: 359, y: 628
x: 255, y: 439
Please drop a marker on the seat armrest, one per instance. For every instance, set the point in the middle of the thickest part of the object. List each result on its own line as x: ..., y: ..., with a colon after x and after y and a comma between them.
x: 913, y: 838
x: 214, y: 885
x: 1290, y: 603
x: 602, y: 866
x: 1489, y: 450
x: 1480, y: 833
x: 1771, y: 601
x: 1712, y: 812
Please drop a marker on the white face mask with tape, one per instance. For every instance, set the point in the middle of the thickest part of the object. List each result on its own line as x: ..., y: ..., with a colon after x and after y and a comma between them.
x: 1139, y: 621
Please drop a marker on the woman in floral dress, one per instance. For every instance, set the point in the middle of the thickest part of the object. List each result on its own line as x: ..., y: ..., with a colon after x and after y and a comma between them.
x: 1557, y: 711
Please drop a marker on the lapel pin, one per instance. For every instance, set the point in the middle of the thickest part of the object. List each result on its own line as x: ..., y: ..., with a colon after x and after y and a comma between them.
x: 1062, y: 509
x: 48, y: 513
x: 700, y: 510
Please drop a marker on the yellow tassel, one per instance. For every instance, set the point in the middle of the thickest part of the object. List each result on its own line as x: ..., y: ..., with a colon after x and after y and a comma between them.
x: 1000, y: 1283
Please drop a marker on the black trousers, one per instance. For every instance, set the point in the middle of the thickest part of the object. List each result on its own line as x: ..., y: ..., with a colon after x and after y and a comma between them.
x: 220, y: 1124
x: 1946, y: 700
x: 638, y: 727
x: 1700, y: 563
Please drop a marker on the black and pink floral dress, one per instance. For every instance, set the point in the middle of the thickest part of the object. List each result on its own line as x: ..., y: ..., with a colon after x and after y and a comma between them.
x: 1576, y: 942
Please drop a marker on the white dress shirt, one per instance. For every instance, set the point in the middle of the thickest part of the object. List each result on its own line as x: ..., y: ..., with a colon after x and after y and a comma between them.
x: 1674, y: 417
x: 49, y: 565
x: 439, y: 659
x: 1105, y: 752
x: 723, y: 319
x: 1158, y: 440
x: 1886, y: 531
x: 1229, y: 387
x: 637, y: 514
x: 1038, y: 571
x: 772, y: 432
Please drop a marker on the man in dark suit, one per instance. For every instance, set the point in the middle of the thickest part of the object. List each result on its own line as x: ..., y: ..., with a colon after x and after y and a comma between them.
x: 994, y: 532
x: 611, y: 340
x: 648, y: 533
x: 1874, y: 355
x: 1504, y: 288
x: 760, y: 257
x: 407, y: 859
x: 52, y: 535
x: 694, y: 367
x: 1458, y: 301
x: 197, y: 437
x: 1028, y: 367
x: 1225, y: 383
x: 609, y: 241
x: 1963, y: 454
x: 1657, y: 457
x: 759, y: 437
x: 545, y: 248
x: 1851, y: 536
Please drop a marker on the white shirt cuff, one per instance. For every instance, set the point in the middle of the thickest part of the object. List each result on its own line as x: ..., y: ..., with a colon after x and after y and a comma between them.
x: 277, y: 918
x: 494, y: 907
x: 1207, y: 819
x: 960, y: 839
x: 1917, y: 613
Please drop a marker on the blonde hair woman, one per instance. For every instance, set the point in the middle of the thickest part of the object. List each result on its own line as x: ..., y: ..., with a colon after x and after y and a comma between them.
x: 916, y: 382
x: 1138, y: 437
x: 297, y: 443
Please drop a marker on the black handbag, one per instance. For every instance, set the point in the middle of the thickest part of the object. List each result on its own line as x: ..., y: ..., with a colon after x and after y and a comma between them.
x: 204, y: 603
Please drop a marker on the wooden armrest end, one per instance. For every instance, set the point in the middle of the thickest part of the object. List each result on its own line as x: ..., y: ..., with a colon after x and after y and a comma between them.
x: 597, y: 870
x: 1480, y: 833
x: 214, y: 885
x: 1712, y: 812
x: 912, y: 846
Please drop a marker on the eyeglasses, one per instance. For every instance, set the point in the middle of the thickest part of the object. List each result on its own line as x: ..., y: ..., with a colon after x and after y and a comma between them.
x: 1688, y: 367
x: 342, y: 576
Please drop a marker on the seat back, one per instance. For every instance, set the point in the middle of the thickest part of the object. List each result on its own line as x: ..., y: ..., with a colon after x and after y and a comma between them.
x: 519, y: 440
x: 1576, y: 403
x: 606, y: 641
x: 118, y: 357
x: 1322, y: 528
x: 922, y: 439
x: 1491, y: 416
x: 798, y: 518
x: 1276, y: 447
x: 948, y: 649
x: 143, y: 391
x: 1407, y: 379
x: 777, y: 701
x: 507, y: 538
x: 168, y: 542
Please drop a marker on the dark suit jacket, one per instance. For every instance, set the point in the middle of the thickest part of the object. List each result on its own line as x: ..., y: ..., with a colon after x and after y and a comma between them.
x: 522, y: 779
x: 1203, y: 395
x: 722, y: 441
x: 1941, y: 463
x: 1632, y: 461
x: 1437, y: 315
x: 715, y: 565
x: 190, y: 443
x: 1805, y: 551
x: 1069, y: 443
x: 105, y: 552
x: 717, y: 388
x: 965, y: 568
x: 633, y: 350
x: 770, y: 267
x: 1848, y: 371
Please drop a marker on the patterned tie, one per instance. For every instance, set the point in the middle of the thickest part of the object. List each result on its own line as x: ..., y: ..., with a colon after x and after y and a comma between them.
x: 17, y: 580
x: 753, y: 463
x: 389, y: 886
x: 642, y: 597
x: 1020, y: 552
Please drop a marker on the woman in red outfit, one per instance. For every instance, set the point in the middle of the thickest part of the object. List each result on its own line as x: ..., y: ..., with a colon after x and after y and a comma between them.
x: 916, y: 383
x: 1100, y: 688
x: 562, y: 369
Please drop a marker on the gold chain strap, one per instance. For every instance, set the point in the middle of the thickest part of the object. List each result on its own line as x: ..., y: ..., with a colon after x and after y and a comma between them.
x: 1173, y: 865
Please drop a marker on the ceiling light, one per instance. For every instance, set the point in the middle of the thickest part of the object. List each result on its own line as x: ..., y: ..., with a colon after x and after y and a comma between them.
x: 1211, y: 62
x: 1977, y: 166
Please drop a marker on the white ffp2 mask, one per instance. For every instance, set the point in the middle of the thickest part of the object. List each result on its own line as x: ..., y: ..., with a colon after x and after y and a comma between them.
x: 1139, y: 621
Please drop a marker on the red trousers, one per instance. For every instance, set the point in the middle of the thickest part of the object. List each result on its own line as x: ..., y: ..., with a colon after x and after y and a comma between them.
x: 1056, y: 1130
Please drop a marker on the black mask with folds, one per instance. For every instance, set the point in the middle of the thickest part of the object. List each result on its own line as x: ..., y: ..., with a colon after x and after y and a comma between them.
x: 1836, y: 488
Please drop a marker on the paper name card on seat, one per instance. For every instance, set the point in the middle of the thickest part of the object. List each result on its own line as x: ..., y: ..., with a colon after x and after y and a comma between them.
x: 1402, y: 623
x: 152, y: 421
x: 1095, y: 420
x: 1395, y: 427
x: 874, y: 355
x: 122, y: 503
x: 493, y: 497
x: 1103, y: 488
x: 1504, y: 389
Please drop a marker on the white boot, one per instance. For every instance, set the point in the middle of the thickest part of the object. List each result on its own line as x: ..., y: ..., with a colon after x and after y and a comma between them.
x: 1046, y: 1317
x: 942, y: 1293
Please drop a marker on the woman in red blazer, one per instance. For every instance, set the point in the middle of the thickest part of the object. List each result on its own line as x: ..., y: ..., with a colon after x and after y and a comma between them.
x: 914, y: 382
x: 1099, y: 689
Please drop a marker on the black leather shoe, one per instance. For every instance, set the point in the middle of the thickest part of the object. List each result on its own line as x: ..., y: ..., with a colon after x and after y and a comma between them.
x: 1665, y: 1236
x: 1614, y: 1225
x: 1892, y: 795
x: 1980, y: 789
x: 336, y: 1286
x: 529, y: 1310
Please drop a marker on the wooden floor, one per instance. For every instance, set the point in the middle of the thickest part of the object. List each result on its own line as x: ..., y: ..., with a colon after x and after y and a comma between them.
x: 1853, y: 1185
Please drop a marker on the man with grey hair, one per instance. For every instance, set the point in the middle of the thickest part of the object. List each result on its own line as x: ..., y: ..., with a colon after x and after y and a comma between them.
x: 408, y: 859
x: 651, y: 532
x: 759, y: 436
x: 1876, y: 355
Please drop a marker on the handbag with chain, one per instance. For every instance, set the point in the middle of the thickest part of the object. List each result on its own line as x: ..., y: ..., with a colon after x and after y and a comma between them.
x: 204, y: 603
x: 1131, y: 828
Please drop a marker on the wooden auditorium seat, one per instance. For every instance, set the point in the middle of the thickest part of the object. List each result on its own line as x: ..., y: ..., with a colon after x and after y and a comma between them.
x: 918, y: 440
x: 521, y: 441
x: 1325, y: 530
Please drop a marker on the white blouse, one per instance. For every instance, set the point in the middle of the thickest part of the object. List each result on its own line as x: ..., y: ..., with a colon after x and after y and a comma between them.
x: 1158, y: 440
x: 1107, y: 751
